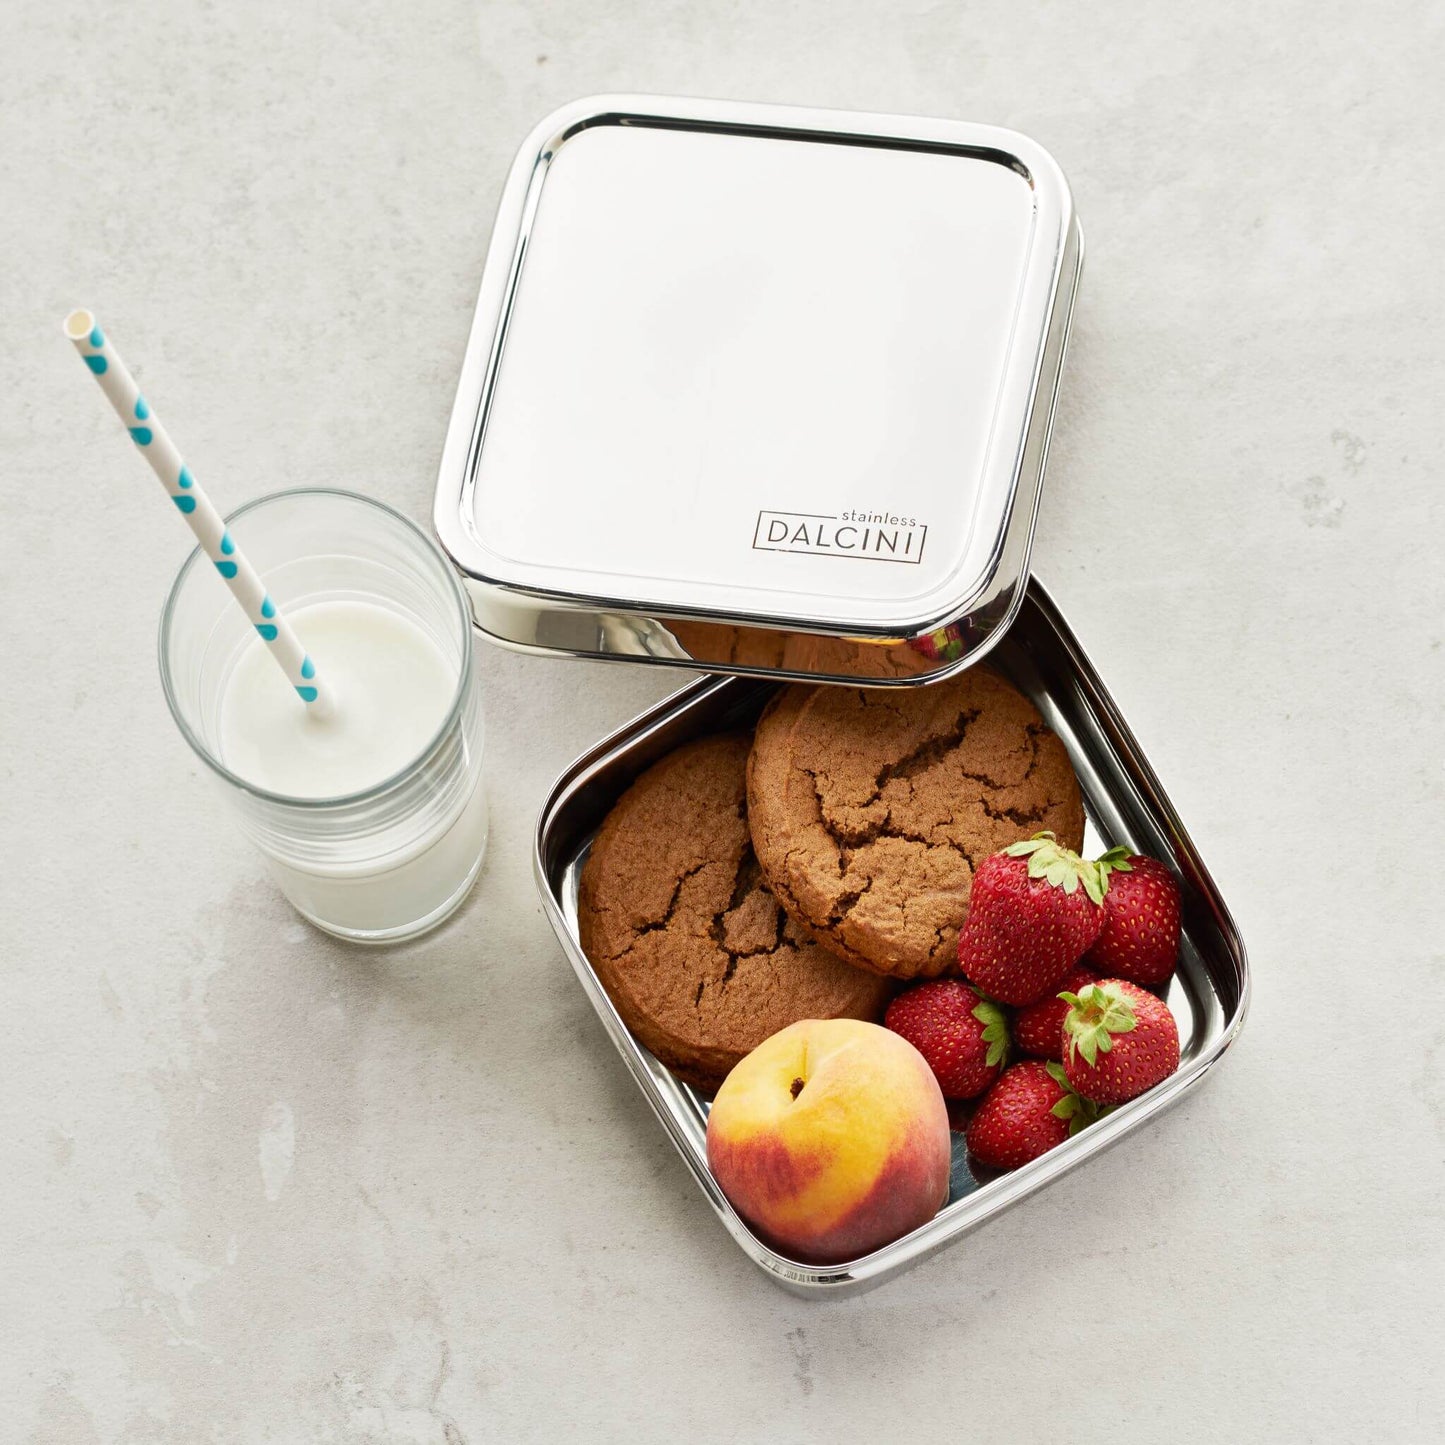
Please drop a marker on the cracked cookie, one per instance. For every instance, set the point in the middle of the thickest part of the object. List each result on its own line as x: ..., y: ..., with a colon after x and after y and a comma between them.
x: 870, y: 809
x: 693, y: 950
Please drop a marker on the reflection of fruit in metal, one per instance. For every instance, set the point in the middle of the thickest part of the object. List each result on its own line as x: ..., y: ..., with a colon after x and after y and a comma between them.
x: 831, y: 1139
x: 945, y: 645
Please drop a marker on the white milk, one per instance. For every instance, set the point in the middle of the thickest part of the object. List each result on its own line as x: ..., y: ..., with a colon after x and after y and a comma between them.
x: 393, y: 688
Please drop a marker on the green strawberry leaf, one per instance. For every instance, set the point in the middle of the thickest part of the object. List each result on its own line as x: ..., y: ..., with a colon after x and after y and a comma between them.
x: 1093, y: 1020
x: 1079, y: 1111
x: 1059, y: 866
x: 1039, y: 863
x: 1116, y: 860
x: 995, y: 1030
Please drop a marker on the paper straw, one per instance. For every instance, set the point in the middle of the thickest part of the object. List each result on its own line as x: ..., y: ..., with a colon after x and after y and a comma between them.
x: 195, y: 506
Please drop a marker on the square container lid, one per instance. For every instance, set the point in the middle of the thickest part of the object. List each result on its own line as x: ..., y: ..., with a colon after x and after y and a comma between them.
x: 759, y: 389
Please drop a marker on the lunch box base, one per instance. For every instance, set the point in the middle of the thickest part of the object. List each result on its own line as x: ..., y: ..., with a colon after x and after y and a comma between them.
x: 1124, y: 803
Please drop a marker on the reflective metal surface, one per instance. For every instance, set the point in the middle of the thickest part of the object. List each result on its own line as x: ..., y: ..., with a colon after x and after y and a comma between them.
x: 759, y: 389
x: 1125, y: 804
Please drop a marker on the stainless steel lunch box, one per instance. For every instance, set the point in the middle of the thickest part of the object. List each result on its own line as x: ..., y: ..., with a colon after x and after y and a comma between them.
x: 768, y: 392
x: 1124, y: 803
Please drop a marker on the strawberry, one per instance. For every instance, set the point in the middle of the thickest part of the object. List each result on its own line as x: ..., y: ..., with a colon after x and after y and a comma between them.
x: 1029, y: 1111
x: 1119, y: 1040
x: 1140, y: 937
x: 963, y: 1035
x: 1035, y: 909
x: 1039, y: 1028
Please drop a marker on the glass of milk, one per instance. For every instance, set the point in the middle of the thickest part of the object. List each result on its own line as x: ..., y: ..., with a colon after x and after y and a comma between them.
x: 373, y: 819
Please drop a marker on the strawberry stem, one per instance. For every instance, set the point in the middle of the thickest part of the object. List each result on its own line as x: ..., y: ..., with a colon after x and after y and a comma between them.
x: 1096, y: 1014
x: 1079, y: 1111
x: 1116, y: 860
x: 1050, y: 860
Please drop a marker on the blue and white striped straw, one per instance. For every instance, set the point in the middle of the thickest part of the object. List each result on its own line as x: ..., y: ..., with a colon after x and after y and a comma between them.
x: 195, y: 506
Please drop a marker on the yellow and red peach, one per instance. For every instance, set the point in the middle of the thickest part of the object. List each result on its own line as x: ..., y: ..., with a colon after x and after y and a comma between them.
x: 831, y: 1140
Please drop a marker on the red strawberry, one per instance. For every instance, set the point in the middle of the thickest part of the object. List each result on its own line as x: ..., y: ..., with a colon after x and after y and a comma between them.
x: 963, y: 1035
x: 1039, y: 1028
x: 1119, y: 1040
x: 1025, y: 1114
x: 1035, y: 909
x: 1140, y: 937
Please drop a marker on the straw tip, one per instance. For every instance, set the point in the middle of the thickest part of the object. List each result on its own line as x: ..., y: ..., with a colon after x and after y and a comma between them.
x: 79, y: 324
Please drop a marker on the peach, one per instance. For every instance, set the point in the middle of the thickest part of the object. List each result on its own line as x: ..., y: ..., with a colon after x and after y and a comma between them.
x: 831, y: 1139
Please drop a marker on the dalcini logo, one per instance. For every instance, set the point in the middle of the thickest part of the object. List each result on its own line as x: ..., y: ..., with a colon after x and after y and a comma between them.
x: 866, y: 536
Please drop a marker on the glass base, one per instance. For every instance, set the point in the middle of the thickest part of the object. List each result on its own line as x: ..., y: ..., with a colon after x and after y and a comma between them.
x: 403, y: 933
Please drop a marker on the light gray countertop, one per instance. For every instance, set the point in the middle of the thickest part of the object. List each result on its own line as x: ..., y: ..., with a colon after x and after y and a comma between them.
x: 260, y: 1187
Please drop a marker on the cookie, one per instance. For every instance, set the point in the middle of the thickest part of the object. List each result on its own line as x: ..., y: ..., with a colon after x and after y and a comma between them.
x: 870, y: 809
x: 693, y: 950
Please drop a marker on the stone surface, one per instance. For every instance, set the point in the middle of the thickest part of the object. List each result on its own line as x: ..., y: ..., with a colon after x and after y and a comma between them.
x: 260, y: 1187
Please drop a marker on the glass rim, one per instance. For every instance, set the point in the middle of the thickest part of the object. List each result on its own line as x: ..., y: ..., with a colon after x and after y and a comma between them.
x: 376, y: 790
